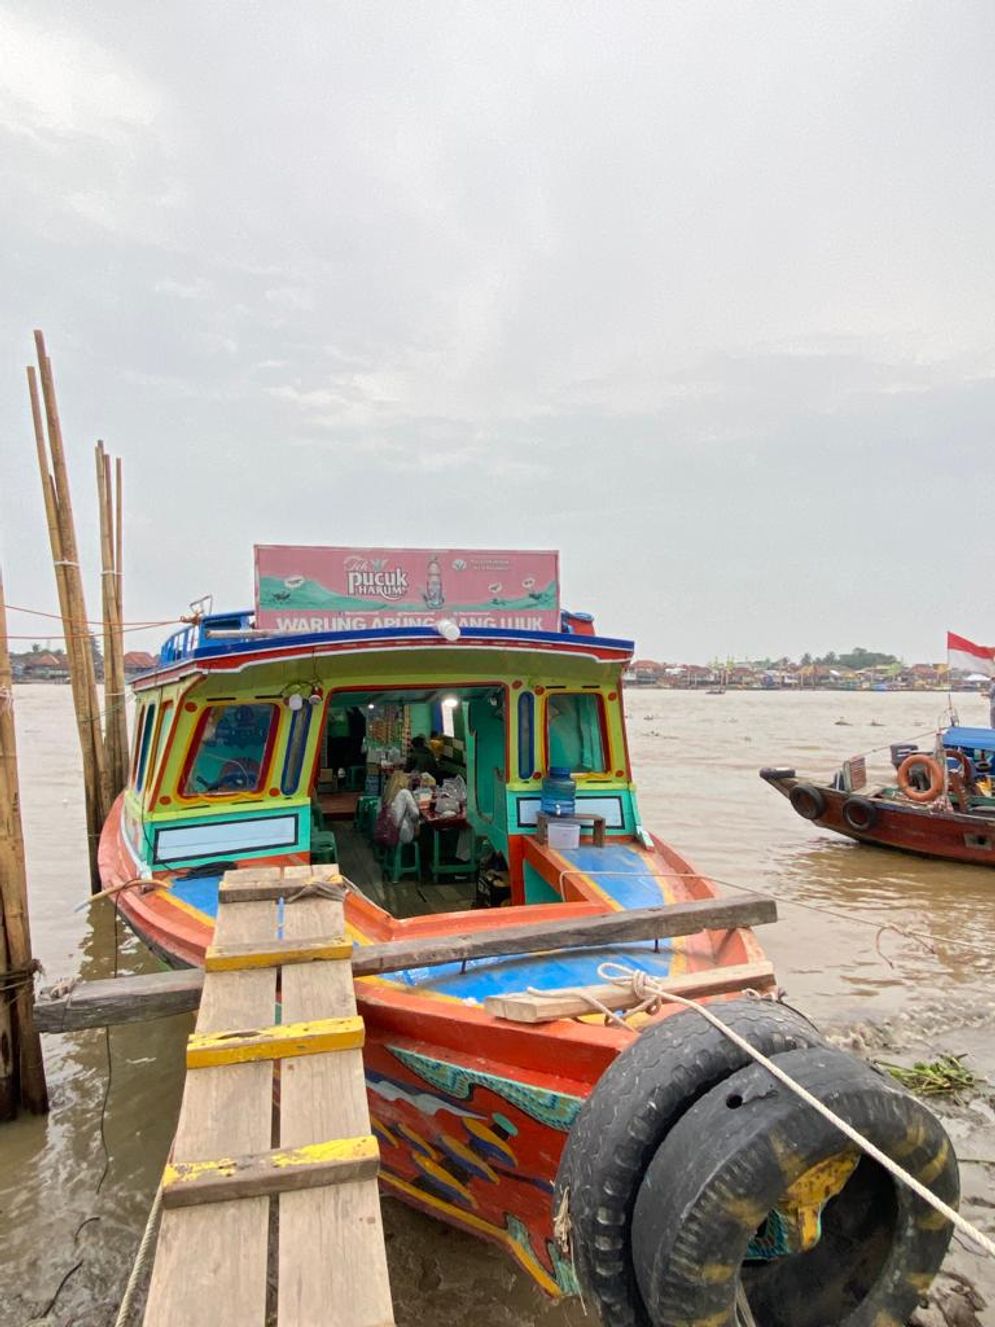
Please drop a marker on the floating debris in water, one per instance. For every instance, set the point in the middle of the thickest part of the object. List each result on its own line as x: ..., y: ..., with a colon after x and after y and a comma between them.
x: 931, y: 1078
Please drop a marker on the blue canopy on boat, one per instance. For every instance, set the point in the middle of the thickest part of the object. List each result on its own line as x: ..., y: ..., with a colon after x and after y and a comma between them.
x: 970, y: 739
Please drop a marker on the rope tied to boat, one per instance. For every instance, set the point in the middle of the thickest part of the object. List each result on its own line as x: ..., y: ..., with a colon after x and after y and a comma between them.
x: 142, y: 1259
x: 14, y: 978
x: 644, y: 985
x: 319, y: 889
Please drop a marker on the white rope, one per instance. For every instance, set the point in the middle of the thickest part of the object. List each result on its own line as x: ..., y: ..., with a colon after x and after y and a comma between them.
x: 140, y: 1264
x: 644, y: 985
x: 744, y: 1314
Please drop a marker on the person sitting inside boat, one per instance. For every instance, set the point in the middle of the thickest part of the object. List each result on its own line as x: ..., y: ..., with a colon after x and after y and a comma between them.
x: 399, y: 820
x: 421, y: 759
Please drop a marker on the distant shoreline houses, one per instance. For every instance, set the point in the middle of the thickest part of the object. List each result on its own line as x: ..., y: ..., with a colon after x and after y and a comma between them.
x: 40, y: 665
x: 787, y: 675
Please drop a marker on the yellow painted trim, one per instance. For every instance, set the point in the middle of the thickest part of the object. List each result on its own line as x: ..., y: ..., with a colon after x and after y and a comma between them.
x: 419, y: 1196
x: 363, y: 1148
x: 218, y: 958
x: 207, y: 1050
x: 188, y: 908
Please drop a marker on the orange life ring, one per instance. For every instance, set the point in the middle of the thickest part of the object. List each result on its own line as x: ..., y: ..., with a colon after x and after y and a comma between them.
x: 920, y: 761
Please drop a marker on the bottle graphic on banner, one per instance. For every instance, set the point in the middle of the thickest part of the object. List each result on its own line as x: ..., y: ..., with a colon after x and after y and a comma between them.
x: 434, y: 598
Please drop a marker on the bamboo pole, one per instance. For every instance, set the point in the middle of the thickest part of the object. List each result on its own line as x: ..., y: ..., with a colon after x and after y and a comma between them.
x: 29, y: 1065
x: 113, y: 679
x: 66, y: 554
x: 122, y: 712
x: 69, y: 626
x: 8, y: 1047
x: 118, y: 638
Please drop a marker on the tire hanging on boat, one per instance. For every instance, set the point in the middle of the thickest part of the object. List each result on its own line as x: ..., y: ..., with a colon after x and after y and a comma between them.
x: 918, y: 761
x: 860, y: 813
x: 754, y: 1185
x: 807, y: 800
x: 635, y: 1103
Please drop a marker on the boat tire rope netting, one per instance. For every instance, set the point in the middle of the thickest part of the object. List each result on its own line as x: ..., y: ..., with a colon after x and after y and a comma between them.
x: 643, y: 1163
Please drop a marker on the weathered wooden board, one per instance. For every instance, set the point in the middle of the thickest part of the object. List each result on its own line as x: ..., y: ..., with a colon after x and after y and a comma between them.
x: 279, y: 1041
x: 231, y: 958
x: 210, y: 1265
x: 603, y: 929
x: 127, y: 999
x: 545, y: 1006
x: 121, y: 1000
x: 280, y: 1170
x: 332, y: 1258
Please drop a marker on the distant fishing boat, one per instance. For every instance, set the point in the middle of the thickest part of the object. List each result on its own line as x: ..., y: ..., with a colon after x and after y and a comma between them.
x: 610, y: 1142
x: 940, y: 803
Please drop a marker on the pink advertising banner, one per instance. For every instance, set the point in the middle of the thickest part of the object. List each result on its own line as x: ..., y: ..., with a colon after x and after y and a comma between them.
x: 353, y: 589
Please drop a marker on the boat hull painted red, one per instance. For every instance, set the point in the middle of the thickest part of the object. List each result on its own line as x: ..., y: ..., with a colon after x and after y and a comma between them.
x: 927, y: 831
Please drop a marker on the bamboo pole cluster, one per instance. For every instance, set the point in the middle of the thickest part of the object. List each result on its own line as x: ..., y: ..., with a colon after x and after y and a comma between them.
x: 115, y: 717
x: 22, y: 1070
x: 101, y: 778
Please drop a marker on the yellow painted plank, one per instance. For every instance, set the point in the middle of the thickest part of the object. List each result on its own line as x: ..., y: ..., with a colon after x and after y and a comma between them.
x: 279, y: 1042
x: 279, y: 1170
x: 238, y: 958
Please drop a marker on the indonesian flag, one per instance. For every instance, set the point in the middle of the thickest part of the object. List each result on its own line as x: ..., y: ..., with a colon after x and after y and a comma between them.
x: 963, y: 653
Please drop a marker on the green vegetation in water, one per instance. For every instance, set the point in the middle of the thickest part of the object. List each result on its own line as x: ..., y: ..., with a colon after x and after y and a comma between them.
x: 933, y: 1078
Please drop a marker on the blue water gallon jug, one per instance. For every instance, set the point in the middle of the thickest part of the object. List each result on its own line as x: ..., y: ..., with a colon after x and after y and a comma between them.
x: 559, y: 792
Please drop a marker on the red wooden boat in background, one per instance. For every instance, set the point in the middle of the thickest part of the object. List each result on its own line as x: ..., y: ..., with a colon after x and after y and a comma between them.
x: 940, y: 805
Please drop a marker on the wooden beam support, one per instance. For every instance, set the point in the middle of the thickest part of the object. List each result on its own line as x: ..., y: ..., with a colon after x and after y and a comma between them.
x: 236, y: 958
x: 281, y: 1170
x: 283, y: 1041
x: 583, y: 932
x: 546, y: 1006
x: 128, y: 999
x: 92, y: 1004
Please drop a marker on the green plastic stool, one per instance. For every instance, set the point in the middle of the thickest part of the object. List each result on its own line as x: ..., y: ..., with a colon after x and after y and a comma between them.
x: 365, y: 819
x: 323, y: 847
x: 401, y: 860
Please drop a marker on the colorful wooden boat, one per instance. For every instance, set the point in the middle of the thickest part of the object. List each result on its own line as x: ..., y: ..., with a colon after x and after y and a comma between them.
x: 941, y: 804
x: 534, y: 1134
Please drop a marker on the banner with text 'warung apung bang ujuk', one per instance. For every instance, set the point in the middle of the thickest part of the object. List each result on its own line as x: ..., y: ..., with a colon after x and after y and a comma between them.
x: 353, y: 589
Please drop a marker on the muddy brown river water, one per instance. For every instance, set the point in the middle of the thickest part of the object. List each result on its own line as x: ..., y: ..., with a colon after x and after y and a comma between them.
x: 72, y: 1212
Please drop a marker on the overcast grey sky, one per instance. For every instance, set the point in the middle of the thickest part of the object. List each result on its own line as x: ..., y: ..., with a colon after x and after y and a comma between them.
x: 699, y: 293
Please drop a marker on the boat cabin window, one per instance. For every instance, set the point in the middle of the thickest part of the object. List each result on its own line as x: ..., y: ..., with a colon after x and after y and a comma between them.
x: 230, y: 750
x: 575, y: 732
x: 165, y: 720
x: 300, y: 725
x: 143, y: 742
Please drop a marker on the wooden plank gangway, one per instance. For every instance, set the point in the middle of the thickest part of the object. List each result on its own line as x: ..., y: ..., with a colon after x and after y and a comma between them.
x: 271, y: 1211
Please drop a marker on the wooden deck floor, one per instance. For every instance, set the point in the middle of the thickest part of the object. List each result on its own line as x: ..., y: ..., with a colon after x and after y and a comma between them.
x: 408, y: 898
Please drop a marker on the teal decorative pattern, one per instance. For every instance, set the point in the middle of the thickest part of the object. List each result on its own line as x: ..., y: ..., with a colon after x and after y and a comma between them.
x: 555, y: 1109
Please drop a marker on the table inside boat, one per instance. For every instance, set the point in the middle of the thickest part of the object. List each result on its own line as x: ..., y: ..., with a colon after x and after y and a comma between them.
x: 339, y: 805
x: 436, y: 824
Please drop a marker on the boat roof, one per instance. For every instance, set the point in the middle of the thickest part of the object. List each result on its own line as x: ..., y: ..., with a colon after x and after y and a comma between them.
x: 225, y: 642
x: 970, y: 739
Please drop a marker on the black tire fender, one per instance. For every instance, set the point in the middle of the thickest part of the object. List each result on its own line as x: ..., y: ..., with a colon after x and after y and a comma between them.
x: 807, y: 800
x: 727, y: 1162
x: 620, y: 1126
x: 860, y: 814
